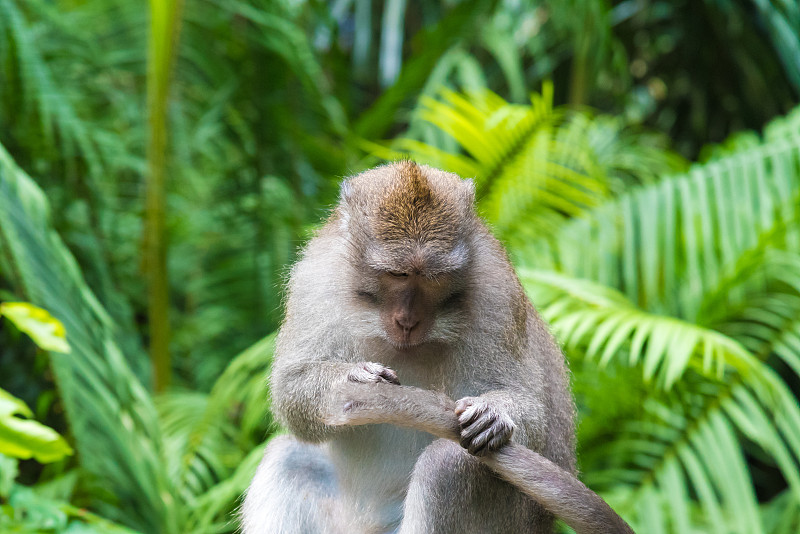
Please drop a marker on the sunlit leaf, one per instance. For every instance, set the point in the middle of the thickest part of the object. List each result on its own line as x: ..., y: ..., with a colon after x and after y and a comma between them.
x: 45, y: 330
x: 25, y: 438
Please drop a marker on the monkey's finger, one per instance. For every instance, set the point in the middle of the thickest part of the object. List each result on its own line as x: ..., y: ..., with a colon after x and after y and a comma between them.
x: 498, y: 440
x: 465, y: 443
x: 498, y: 430
x: 390, y: 376
x: 478, y: 445
x: 371, y: 373
x: 492, y: 439
x: 463, y: 404
x: 470, y: 414
x: 361, y: 376
x: 372, y: 367
x: 476, y: 427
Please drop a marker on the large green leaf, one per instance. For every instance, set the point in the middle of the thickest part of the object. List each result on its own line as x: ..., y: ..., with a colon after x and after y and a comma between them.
x: 46, y: 331
x: 25, y: 439
x: 673, y: 245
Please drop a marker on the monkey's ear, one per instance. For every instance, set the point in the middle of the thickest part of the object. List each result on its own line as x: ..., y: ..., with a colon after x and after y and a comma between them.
x: 345, y: 194
x: 345, y: 191
x: 469, y: 190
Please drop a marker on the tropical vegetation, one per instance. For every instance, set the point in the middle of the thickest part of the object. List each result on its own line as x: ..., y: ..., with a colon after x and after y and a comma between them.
x: 160, y: 168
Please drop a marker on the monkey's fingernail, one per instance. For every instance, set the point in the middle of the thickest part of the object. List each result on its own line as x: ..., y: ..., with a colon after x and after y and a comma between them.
x: 480, y: 442
x: 390, y: 377
x: 474, y: 428
x: 470, y: 414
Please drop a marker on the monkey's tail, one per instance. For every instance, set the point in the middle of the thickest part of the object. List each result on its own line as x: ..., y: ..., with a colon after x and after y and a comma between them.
x: 557, y: 490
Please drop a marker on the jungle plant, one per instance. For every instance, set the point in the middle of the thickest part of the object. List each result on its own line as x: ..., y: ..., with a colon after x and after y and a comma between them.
x: 680, y: 294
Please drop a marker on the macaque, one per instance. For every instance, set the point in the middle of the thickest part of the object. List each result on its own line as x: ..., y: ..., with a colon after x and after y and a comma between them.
x: 405, y: 284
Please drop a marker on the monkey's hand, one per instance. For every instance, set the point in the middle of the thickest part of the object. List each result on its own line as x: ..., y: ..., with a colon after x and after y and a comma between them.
x: 372, y: 373
x: 484, y: 427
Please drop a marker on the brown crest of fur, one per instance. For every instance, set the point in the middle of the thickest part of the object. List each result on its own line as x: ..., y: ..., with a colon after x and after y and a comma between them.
x: 412, y: 211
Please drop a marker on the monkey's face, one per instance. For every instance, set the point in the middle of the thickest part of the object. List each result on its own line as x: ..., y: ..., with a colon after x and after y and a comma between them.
x: 410, y: 305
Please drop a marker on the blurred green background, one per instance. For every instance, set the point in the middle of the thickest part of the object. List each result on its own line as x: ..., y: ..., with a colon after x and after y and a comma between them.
x: 161, y: 165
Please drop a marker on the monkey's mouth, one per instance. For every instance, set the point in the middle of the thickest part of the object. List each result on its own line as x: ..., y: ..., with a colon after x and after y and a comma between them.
x: 405, y: 345
x: 405, y: 340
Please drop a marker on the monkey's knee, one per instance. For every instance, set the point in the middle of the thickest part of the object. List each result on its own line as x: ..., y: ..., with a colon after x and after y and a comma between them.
x: 445, y: 467
x: 294, y: 491
x: 451, y: 491
x: 440, y: 491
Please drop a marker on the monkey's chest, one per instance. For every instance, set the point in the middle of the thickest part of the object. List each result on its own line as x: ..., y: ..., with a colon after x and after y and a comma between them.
x: 374, y: 464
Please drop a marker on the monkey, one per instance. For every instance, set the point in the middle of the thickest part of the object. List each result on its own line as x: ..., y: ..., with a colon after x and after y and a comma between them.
x: 405, y: 280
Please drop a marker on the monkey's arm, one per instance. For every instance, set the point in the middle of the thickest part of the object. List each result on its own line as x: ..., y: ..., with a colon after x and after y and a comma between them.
x: 303, y: 391
x: 554, y: 488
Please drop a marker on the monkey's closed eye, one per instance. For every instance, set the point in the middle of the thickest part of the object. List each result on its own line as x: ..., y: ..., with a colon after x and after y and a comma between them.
x: 398, y: 274
x: 366, y: 295
x: 455, y: 299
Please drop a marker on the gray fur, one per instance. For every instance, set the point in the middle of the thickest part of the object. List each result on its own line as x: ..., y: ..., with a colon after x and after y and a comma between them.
x: 381, y: 477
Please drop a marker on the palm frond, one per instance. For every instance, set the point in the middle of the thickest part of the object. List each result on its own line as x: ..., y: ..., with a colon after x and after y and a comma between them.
x: 211, y: 436
x: 59, y: 122
x: 666, y: 244
x: 276, y: 31
x: 690, y: 445
x: 534, y: 166
x: 511, y: 153
x: 211, y: 513
x: 111, y: 414
x: 782, y: 20
x: 601, y: 321
x: 698, y: 288
x: 782, y: 514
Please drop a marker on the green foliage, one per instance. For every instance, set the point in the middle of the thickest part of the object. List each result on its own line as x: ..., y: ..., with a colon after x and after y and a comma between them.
x: 534, y: 166
x: 125, y: 438
x: 690, y: 279
x: 704, y: 269
x: 27, y: 439
x: 231, y: 126
x: 674, y: 289
x: 111, y: 414
x: 28, y: 512
x: 165, y: 23
x: 46, y: 331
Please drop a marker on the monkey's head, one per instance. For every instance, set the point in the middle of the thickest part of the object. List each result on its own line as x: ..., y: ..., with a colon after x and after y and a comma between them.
x: 408, y: 230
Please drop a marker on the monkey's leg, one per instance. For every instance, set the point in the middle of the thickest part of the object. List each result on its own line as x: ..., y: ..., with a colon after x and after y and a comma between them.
x: 452, y: 492
x: 294, y: 491
x: 541, y: 479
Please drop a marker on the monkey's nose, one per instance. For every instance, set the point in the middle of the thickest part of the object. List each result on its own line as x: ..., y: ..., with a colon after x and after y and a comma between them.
x: 406, y: 323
